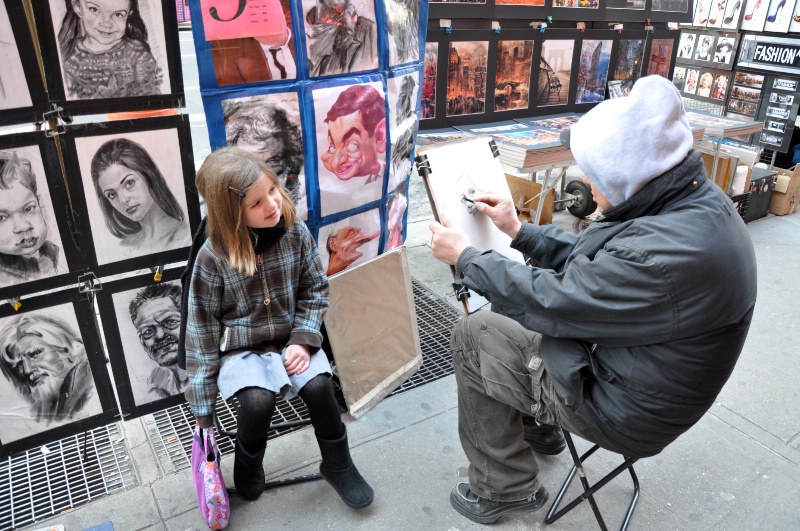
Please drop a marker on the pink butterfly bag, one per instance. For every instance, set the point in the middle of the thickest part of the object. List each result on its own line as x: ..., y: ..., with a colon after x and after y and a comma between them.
x: 209, y: 484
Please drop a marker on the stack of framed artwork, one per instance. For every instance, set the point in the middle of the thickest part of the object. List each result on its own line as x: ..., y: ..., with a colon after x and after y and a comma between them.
x: 81, y: 202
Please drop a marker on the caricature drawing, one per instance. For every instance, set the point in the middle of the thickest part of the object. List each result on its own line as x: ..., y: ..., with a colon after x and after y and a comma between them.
x: 105, y: 52
x: 137, y: 205
x: 339, y: 39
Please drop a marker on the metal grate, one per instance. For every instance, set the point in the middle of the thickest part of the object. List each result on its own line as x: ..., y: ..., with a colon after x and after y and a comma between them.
x: 74, y: 471
x: 690, y: 103
x: 170, y: 430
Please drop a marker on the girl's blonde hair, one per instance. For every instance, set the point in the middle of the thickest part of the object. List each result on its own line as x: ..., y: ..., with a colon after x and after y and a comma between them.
x: 224, y: 175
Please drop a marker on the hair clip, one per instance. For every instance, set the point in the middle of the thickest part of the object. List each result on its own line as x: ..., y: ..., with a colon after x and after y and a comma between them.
x: 238, y: 192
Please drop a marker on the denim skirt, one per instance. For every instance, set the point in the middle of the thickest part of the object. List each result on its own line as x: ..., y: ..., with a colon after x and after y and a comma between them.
x: 247, y: 368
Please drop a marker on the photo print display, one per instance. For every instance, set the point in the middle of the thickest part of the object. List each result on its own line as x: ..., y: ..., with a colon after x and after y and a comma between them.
x: 679, y: 77
x: 253, y: 45
x: 660, y: 57
x: 745, y: 94
x: 747, y: 79
x: 593, y: 71
x: 630, y: 55
x: 514, y: 61
x: 686, y: 45
x: 51, y: 371
x: 429, y: 69
x: 692, y: 77
x: 723, y: 52
x: 704, y: 85
x: 402, y: 24
x: 142, y: 321
x: 351, y: 136
x: 340, y: 36
x: 269, y: 126
x: 755, y: 15
x: 349, y: 242
x: 111, y: 49
x: 466, y: 78
x: 779, y: 16
x: 396, y: 209
x: 555, y: 72
x: 136, y: 182
x: 705, y: 48
x: 720, y: 87
x: 403, y: 124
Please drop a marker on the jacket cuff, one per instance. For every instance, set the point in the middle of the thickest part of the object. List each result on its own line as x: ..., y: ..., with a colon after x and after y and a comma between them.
x: 519, y: 237
x: 313, y: 341
x: 466, y: 258
x: 205, y: 421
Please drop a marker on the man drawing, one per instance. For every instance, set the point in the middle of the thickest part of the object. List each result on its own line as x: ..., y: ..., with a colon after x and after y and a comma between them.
x: 339, y: 39
x: 342, y: 246
x: 45, y: 360
x: 155, y: 312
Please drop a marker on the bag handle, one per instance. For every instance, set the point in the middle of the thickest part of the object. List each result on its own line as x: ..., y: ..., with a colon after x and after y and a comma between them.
x: 208, y: 448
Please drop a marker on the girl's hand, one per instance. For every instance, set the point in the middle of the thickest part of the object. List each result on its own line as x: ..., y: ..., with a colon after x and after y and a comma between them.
x: 297, y: 359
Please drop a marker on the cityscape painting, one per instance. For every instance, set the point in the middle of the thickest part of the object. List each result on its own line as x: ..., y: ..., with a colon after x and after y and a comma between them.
x: 629, y: 63
x: 593, y: 71
x: 511, y: 90
x: 555, y: 71
x: 466, y: 77
x: 429, y: 81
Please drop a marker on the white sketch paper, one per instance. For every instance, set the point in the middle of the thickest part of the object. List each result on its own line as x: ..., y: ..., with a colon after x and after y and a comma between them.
x: 460, y: 170
x: 349, y: 242
x: 402, y: 21
x: 403, y: 96
x: 111, y: 48
x: 351, y: 145
x: 30, y: 242
x: 134, y: 193
x: 45, y: 377
x: 149, y: 320
x: 269, y: 126
x: 14, y: 92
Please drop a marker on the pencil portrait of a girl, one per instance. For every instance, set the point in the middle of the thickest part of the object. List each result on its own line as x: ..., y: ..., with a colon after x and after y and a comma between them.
x: 107, y: 50
x: 134, y: 194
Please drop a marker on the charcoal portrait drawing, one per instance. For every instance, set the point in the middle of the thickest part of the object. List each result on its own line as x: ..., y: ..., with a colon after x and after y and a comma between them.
x: 14, y: 92
x: 46, y: 369
x: 341, y: 36
x: 111, y: 48
x: 402, y: 21
x: 403, y: 92
x: 30, y: 244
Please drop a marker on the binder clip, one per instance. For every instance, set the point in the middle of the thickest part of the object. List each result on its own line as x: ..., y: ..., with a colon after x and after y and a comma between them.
x: 446, y: 24
x: 496, y: 26
x: 493, y: 147
x: 88, y: 283
x: 618, y: 27
x: 157, y: 270
x: 423, y: 165
x: 581, y: 26
x: 461, y: 291
x: 55, y: 121
x: 541, y: 26
x: 15, y: 303
x: 648, y: 27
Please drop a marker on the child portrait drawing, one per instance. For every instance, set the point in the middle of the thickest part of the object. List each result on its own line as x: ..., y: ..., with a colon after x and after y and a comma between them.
x: 108, y: 51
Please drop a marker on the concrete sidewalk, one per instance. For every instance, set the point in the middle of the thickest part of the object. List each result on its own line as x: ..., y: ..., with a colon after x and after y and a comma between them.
x: 737, y: 469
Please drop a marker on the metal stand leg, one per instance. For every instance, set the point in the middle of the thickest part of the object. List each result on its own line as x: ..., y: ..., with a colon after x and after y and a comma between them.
x: 589, y: 490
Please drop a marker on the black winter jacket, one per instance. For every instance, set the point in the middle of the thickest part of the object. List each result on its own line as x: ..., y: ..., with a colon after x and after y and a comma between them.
x: 643, y: 315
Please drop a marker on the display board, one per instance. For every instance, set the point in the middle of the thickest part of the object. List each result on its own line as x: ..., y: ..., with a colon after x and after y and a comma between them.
x: 573, y: 10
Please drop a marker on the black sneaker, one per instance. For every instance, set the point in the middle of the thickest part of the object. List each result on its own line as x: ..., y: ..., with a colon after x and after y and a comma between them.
x: 484, y: 511
x: 545, y: 440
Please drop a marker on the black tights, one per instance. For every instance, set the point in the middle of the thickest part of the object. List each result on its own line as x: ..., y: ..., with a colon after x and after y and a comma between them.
x: 257, y: 405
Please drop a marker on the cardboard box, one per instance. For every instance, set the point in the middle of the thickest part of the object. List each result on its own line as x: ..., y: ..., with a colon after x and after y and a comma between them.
x: 726, y: 166
x: 786, y: 195
x: 525, y: 194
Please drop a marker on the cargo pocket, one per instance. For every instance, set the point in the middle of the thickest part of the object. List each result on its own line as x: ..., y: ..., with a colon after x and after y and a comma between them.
x: 506, y: 384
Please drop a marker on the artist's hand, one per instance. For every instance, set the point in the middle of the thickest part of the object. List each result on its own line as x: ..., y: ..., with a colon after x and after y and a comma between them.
x: 448, y: 242
x: 500, y: 210
x: 297, y: 359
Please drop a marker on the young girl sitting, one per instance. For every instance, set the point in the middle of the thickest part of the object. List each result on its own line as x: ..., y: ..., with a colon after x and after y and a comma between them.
x: 257, y: 297
x: 104, y: 51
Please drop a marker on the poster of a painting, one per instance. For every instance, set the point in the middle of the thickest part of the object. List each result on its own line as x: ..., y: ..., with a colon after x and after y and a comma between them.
x: 133, y: 183
x: 625, y: 4
x: 686, y: 45
x: 519, y: 2
x: 45, y: 377
x: 396, y: 209
x: 14, y: 92
x: 250, y: 50
x: 779, y: 15
x: 349, y: 242
x: 724, y: 50
x: 593, y: 71
x: 716, y: 13
x: 429, y: 81
x: 30, y: 241
x: 660, y: 57
x: 466, y: 78
x: 555, y: 70
x: 341, y: 36
x: 269, y: 126
x: 514, y: 60
x: 587, y: 4
x: 109, y: 50
x: 351, y: 145
x: 148, y: 320
x: 755, y: 15
x: 459, y: 171
x: 630, y: 55
x: 403, y: 123
x: 558, y: 124
x: 678, y: 6
x: 402, y: 23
